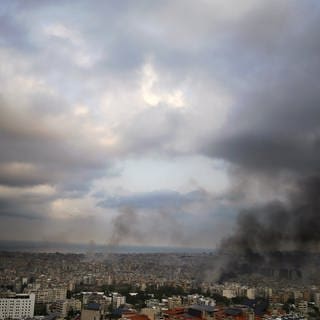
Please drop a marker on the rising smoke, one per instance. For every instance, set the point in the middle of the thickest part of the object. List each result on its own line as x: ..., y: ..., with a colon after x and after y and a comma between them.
x: 124, y: 228
x: 276, y: 236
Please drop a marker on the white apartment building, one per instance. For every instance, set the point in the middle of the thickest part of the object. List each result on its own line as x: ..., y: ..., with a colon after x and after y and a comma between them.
x: 49, y: 295
x: 251, y: 293
x: 64, y: 306
x: 118, y: 299
x: 303, y: 306
x: 317, y: 299
x: 17, y: 306
x: 229, y: 293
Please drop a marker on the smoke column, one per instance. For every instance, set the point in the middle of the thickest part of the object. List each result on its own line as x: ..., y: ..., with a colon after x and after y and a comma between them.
x: 277, y: 235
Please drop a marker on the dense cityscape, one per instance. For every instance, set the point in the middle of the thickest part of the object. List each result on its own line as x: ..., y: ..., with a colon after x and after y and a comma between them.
x: 145, y: 286
x: 160, y: 160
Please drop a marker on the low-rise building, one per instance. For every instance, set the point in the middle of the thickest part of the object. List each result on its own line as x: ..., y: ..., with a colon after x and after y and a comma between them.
x: 65, y: 306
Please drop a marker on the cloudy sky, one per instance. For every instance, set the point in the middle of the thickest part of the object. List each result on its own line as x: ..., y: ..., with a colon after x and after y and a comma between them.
x: 153, y: 122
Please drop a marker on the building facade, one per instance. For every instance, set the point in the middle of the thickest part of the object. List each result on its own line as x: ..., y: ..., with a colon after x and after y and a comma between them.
x: 17, y: 306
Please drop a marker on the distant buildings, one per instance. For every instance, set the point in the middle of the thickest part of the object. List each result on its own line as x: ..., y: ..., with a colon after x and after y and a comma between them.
x: 92, y: 284
x: 206, y: 312
x: 17, y: 306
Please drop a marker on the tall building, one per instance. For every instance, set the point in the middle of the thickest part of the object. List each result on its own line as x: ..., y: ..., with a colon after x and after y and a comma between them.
x: 317, y: 299
x: 17, y: 306
x: 251, y: 293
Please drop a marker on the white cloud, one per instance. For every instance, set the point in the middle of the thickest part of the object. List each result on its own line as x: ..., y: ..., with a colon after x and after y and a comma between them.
x: 153, y: 95
x: 59, y: 30
x: 81, y: 110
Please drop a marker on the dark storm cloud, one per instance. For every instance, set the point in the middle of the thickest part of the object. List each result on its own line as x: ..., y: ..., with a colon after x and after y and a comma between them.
x: 27, y: 204
x: 16, y: 174
x: 274, y: 125
x: 155, y: 200
x: 9, y: 208
x: 35, y: 153
x: 271, y: 152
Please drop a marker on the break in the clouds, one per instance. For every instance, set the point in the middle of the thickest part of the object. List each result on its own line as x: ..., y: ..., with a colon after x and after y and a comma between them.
x: 172, y: 113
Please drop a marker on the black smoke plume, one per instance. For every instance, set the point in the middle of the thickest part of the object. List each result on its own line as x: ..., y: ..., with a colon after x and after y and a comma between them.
x: 276, y: 239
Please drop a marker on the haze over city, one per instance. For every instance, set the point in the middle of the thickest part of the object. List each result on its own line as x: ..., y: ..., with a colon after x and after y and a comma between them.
x: 161, y: 123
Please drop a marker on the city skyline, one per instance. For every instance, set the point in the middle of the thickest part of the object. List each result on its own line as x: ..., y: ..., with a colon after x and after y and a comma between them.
x: 157, y: 123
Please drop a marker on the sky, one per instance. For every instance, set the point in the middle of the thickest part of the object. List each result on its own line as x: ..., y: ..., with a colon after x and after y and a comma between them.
x: 153, y: 122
